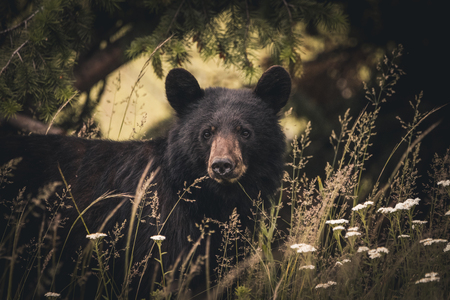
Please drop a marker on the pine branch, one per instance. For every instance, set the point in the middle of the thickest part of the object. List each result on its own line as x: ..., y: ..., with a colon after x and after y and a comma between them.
x: 20, y: 24
x: 14, y: 53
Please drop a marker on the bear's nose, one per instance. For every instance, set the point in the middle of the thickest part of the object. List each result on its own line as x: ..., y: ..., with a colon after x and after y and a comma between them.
x: 222, y: 166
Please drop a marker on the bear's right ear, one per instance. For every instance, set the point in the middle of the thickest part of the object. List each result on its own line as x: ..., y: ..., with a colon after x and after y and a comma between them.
x: 274, y: 87
x: 182, y: 89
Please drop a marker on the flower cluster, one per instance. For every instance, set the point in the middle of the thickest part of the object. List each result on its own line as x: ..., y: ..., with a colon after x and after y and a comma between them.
x: 158, y: 237
x: 95, y: 236
x: 407, y: 205
x: 430, y: 241
x: 375, y: 253
x: 51, y: 295
x: 362, y: 206
x: 352, y: 231
x: 340, y: 263
x: 363, y: 249
x: 325, y: 285
x: 310, y: 267
x: 429, y: 277
x: 336, y: 222
x: 403, y: 236
x: 444, y: 182
x: 447, y: 248
x: 419, y: 222
x: 303, y: 248
x: 339, y: 227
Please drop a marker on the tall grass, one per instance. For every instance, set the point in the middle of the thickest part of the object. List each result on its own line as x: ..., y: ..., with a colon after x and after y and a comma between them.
x: 337, y: 244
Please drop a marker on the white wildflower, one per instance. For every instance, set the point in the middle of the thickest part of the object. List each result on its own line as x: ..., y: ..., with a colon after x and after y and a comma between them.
x: 429, y: 277
x: 407, y: 205
x: 430, y: 241
x: 334, y: 222
x: 447, y: 248
x: 353, y: 228
x: 419, y: 222
x: 339, y: 227
x: 304, y: 248
x: 362, y: 206
x: 403, y: 236
x: 447, y: 213
x: 325, y: 285
x: 385, y: 210
x: 375, y: 253
x: 340, y: 263
x: 363, y: 249
x: 310, y: 267
x: 95, y: 236
x: 382, y: 249
x: 158, y: 237
x: 52, y: 294
x: 351, y: 233
x: 444, y: 182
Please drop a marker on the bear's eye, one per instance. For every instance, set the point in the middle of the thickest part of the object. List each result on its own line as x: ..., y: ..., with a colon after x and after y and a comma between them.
x: 245, y: 133
x: 207, y: 134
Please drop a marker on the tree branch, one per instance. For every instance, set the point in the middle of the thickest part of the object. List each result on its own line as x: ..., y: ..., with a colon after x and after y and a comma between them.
x: 14, y: 53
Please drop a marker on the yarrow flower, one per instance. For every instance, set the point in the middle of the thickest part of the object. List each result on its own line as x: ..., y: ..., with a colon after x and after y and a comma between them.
x: 385, y: 210
x: 362, y: 206
x: 303, y: 248
x: 339, y: 227
x: 340, y: 263
x: 310, y: 267
x: 335, y: 222
x: 447, y: 213
x: 444, y: 182
x: 419, y: 222
x: 158, y: 237
x: 429, y: 277
x: 351, y: 233
x: 363, y: 249
x: 52, y: 294
x: 447, y: 248
x: 408, y: 204
x: 403, y: 236
x: 430, y: 241
x: 375, y: 253
x: 325, y: 285
x: 353, y: 228
x: 95, y: 236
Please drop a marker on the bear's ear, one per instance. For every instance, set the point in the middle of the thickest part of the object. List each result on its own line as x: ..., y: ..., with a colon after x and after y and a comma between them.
x: 274, y: 87
x: 182, y: 89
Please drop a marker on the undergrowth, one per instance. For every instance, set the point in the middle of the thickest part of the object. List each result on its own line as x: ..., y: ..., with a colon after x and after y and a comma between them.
x: 337, y: 245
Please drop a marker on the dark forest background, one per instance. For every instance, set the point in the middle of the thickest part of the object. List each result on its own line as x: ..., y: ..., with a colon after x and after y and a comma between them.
x: 74, y: 45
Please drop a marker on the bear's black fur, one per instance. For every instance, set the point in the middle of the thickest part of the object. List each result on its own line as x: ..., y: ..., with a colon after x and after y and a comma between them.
x: 231, y: 136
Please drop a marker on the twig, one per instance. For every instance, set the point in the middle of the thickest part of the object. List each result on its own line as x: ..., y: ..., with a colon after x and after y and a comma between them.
x: 174, y: 17
x: 141, y: 74
x: 289, y: 12
x: 20, y: 24
x: 14, y: 53
x: 59, y: 110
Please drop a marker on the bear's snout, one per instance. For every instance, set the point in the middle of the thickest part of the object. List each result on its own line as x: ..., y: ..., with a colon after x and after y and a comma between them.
x: 222, y: 166
x: 225, y: 163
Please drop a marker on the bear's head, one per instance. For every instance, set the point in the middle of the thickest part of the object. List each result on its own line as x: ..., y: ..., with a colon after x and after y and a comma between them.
x: 228, y: 134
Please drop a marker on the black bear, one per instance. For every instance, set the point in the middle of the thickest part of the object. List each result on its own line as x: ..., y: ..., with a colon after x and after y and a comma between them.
x: 231, y: 139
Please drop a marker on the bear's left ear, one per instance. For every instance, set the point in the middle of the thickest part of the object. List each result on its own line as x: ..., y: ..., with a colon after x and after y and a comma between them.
x: 182, y: 89
x: 274, y: 87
